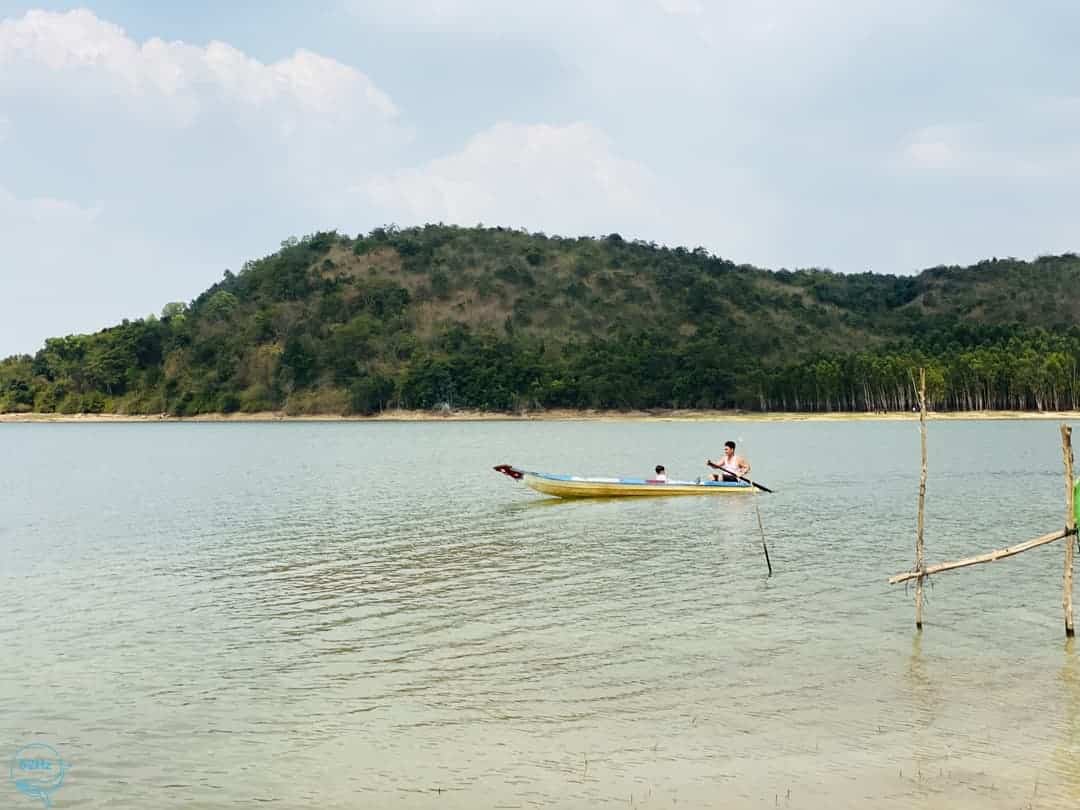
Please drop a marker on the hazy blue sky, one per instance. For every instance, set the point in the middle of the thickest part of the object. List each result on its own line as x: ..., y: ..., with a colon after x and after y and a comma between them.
x: 145, y: 149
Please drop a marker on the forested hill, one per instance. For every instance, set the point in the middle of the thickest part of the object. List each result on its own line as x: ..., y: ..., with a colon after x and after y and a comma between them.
x: 504, y: 320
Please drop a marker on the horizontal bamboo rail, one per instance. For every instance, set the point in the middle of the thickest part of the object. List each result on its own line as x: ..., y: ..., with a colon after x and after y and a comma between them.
x: 1000, y: 554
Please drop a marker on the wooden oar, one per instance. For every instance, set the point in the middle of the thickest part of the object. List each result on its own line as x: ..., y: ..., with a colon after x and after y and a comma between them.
x: 752, y: 483
x: 747, y: 480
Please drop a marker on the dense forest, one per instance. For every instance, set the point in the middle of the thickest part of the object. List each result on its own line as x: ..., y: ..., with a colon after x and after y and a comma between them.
x: 441, y: 317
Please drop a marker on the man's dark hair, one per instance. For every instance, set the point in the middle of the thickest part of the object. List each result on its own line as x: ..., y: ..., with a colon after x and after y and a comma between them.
x: 659, y: 468
x: 730, y: 444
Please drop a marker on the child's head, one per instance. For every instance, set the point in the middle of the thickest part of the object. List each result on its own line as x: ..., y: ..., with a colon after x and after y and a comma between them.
x: 659, y: 469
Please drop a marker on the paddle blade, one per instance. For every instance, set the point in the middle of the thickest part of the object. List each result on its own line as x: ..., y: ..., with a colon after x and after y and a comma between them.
x: 755, y: 484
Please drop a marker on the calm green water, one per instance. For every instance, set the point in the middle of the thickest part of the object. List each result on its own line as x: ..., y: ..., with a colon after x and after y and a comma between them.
x: 366, y: 615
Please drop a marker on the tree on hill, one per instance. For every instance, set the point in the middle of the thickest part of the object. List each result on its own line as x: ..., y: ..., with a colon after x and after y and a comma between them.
x: 501, y: 319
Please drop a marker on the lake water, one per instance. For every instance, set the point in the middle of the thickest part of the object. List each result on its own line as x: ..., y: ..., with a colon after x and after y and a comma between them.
x: 350, y: 615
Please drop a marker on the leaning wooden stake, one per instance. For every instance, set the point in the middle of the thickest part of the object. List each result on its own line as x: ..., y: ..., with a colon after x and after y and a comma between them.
x: 920, y: 564
x: 1070, y: 526
x: 992, y: 556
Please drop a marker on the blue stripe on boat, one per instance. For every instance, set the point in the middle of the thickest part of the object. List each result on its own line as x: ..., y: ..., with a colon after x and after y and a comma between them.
x: 584, y: 479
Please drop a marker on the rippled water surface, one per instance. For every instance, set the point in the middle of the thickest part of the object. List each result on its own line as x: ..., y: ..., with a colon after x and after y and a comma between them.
x: 366, y: 615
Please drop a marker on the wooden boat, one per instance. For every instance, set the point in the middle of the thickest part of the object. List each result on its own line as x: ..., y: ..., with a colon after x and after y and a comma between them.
x: 574, y: 486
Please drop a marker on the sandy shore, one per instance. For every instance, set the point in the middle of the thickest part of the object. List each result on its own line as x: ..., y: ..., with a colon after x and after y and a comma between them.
x: 550, y: 416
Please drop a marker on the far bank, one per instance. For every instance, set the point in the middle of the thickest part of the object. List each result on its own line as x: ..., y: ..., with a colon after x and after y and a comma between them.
x: 540, y: 416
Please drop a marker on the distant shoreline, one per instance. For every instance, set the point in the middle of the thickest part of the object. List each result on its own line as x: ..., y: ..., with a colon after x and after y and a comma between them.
x: 542, y: 416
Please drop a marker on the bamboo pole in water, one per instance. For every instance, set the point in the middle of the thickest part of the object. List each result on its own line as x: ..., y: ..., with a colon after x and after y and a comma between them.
x: 1000, y: 554
x: 1070, y: 526
x: 753, y: 494
x: 920, y: 563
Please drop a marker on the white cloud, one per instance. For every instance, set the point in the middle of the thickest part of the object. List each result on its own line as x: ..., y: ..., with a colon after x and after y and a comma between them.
x: 560, y: 178
x: 17, y: 214
x: 185, y: 158
x: 678, y: 7
x: 77, y: 42
x: 305, y: 117
x: 71, y: 268
x: 483, y: 16
x: 595, y: 32
x: 934, y: 147
x: 45, y: 211
x: 983, y: 151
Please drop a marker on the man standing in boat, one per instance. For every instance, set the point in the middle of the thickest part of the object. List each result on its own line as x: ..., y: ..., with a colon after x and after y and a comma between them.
x: 731, y: 466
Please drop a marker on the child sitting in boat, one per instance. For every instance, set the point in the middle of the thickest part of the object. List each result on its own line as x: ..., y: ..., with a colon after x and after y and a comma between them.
x: 661, y: 474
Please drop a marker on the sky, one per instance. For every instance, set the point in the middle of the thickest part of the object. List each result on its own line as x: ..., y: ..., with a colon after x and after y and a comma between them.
x: 146, y: 148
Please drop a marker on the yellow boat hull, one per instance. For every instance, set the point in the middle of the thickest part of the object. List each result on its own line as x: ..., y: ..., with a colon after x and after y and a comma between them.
x: 567, y: 487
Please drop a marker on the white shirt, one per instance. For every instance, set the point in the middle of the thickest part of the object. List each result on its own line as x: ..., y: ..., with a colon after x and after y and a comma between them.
x: 731, y: 465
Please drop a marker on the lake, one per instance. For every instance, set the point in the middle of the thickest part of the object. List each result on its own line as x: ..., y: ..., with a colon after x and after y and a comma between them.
x: 346, y: 615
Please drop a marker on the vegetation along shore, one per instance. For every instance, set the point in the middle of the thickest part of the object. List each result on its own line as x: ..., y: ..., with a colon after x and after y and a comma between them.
x: 465, y: 323
x: 396, y: 415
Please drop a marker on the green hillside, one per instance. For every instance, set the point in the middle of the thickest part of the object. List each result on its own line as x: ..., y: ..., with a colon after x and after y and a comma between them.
x: 504, y: 320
